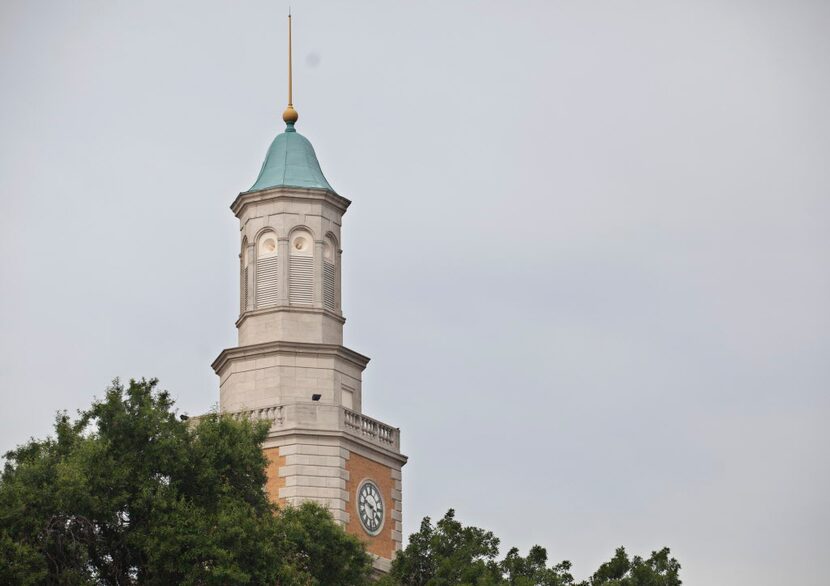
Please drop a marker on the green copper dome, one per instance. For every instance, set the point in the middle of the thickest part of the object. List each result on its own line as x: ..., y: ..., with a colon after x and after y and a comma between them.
x: 291, y: 162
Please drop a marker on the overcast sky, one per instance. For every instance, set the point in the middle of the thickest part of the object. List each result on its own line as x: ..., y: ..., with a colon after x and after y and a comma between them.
x: 587, y: 250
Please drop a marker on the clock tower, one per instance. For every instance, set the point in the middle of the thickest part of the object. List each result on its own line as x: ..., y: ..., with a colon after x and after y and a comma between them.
x: 290, y: 367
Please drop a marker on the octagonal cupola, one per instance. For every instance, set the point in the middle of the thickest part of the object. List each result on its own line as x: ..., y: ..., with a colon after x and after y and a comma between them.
x: 290, y: 222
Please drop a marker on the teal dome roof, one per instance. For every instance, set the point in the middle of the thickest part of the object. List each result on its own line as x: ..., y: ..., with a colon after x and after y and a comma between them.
x: 291, y: 162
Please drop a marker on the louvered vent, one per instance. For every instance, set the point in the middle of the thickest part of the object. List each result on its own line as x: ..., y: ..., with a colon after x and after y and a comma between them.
x: 267, y: 271
x: 328, y: 286
x: 244, y: 301
x: 301, y: 280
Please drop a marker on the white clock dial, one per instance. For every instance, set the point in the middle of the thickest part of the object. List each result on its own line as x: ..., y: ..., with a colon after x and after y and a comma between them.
x: 370, y: 507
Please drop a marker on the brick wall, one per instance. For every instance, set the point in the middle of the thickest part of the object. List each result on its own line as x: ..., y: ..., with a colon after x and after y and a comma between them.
x: 360, y: 469
x: 274, y: 482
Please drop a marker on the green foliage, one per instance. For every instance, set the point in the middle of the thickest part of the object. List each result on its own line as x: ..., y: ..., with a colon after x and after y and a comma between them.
x: 447, y: 553
x: 658, y: 570
x: 128, y: 493
x: 450, y: 554
x: 320, y: 548
x: 533, y: 571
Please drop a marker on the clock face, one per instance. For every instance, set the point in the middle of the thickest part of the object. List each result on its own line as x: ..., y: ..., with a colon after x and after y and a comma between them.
x: 370, y: 507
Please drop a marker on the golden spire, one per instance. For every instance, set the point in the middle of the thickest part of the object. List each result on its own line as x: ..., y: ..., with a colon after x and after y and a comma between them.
x: 290, y: 115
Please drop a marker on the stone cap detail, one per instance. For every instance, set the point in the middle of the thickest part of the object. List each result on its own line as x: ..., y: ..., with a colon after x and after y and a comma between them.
x: 268, y: 348
x: 291, y: 309
x: 291, y: 194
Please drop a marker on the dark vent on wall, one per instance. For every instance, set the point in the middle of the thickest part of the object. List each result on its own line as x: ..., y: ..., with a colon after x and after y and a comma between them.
x: 267, y: 273
x: 301, y: 280
x: 328, y: 286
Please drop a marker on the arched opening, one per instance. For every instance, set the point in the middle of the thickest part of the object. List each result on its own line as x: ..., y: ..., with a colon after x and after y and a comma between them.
x: 301, y: 268
x: 267, y: 270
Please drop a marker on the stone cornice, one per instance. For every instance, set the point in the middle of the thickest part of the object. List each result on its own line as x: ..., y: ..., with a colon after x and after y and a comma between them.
x: 367, y: 449
x: 280, y: 347
x: 289, y: 194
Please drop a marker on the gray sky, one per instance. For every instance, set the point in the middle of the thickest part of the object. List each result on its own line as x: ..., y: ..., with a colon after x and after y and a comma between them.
x: 587, y: 251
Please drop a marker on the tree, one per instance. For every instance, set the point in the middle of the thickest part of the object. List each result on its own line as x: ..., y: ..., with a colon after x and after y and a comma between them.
x: 447, y: 553
x: 128, y: 493
x: 658, y: 570
x: 450, y: 554
x: 533, y: 571
x: 320, y: 548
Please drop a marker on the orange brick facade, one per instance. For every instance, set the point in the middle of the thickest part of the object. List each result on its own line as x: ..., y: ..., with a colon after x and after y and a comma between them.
x: 274, y: 482
x: 360, y: 469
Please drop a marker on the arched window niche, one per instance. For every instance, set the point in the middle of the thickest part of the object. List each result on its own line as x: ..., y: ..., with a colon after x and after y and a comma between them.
x: 267, y: 269
x: 301, y: 267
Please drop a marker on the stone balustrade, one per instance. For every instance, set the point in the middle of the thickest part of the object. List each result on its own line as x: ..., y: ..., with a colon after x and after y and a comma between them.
x: 371, y: 429
x: 324, y: 417
x: 273, y: 414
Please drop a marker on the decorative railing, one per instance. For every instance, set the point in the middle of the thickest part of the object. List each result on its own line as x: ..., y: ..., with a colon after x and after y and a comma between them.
x: 324, y: 417
x: 371, y: 429
x: 273, y: 414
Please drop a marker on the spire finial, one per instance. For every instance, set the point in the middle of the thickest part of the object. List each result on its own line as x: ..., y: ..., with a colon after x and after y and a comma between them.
x: 290, y: 115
